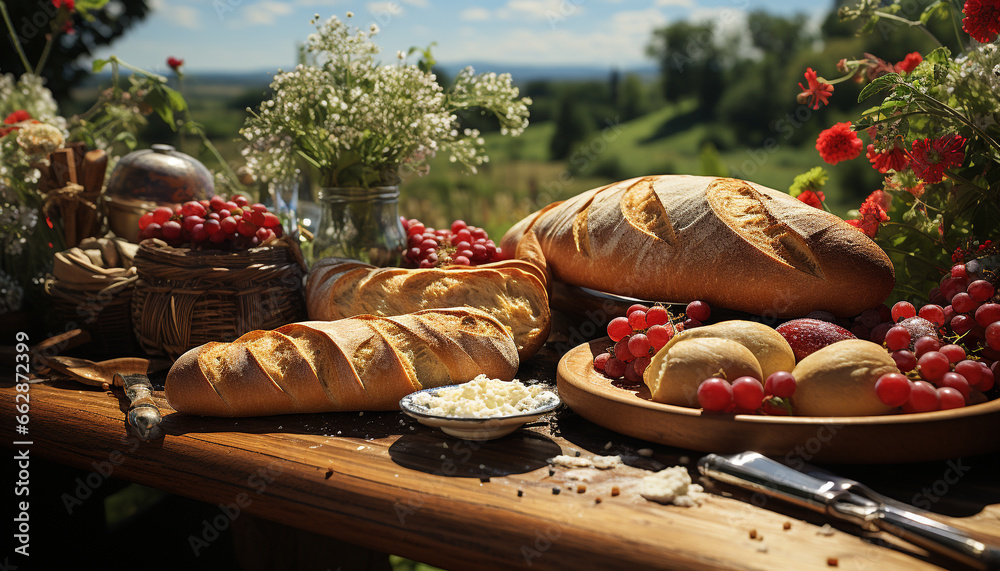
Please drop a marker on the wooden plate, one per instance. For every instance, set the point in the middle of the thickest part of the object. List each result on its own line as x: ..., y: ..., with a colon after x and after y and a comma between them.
x: 849, y: 440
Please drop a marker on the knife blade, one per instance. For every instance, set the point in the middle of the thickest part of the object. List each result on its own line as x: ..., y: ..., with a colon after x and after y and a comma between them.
x: 755, y: 472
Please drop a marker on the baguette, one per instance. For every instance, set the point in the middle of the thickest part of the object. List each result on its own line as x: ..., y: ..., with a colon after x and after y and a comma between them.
x: 512, y: 291
x: 363, y: 363
x: 729, y: 242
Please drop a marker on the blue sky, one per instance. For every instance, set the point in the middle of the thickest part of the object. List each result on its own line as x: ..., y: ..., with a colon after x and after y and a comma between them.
x: 250, y: 35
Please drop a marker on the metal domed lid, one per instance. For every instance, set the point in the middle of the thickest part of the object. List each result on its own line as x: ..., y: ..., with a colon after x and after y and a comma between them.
x: 160, y: 174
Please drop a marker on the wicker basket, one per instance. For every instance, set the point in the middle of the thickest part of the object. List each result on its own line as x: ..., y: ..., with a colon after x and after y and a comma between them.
x: 186, y: 298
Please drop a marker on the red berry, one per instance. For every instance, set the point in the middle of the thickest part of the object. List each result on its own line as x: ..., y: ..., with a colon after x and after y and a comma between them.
x: 925, y: 344
x: 615, y: 368
x: 212, y: 226
x: 601, y: 360
x: 923, y: 397
x: 933, y: 313
x: 897, y: 338
x: 246, y: 228
x: 780, y: 384
x: 954, y: 353
x: 715, y: 395
x: 228, y: 224
x: 893, y: 389
x: 989, y: 376
x: 971, y: 370
x: 962, y: 324
x: 190, y: 222
x: 659, y: 335
x: 198, y: 233
x: 240, y: 200
x: 932, y: 365
x: 416, y: 229
x: 905, y: 360
x: 458, y: 225
x: 903, y: 310
x: 193, y: 208
x: 698, y: 310
x: 963, y: 303
x: 657, y: 315
x: 162, y: 214
x: 639, y: 345
x: 690, y: 324
x: 993, y: 336
x: 635, y: 307
x: 748, y: 393
x: 145, y: 220
x: 950, y: 398
x: 271, y: 220
x: 618, y: 328
x: 957, y: 382
x: 219, y: 237
x: 958, y: 271
x: 632, y: 375
x: 980, y: 290
x: 621, y: 351
x: 462, y: 260
x: 637, y: 320
x: 988, y: 313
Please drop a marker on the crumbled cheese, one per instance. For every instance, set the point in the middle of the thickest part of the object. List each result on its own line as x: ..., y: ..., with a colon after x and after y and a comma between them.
x: 484, y: 397
x: 599, y: 462
x: 671, y: 486
x: 827, y: 529
x: 645, y: 452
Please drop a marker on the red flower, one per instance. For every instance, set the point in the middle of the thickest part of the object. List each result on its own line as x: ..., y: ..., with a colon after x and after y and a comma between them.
x: 891, y: 159
x: 174, y: 63
x: 909, y: 63
x: 68, y: 4
x: 838, y: 143
x: 16, y: 117
x: 872, y: 214
x: 812, y: 198
x: 982, y: 19
x: 818, y: 91
x: 930, y: 158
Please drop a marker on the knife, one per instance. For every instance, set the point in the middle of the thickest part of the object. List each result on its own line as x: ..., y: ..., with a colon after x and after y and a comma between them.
x: 143, y: 414
x: 755, y: 472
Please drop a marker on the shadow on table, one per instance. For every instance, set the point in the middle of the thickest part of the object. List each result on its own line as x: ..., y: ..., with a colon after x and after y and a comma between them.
x: 442, y: 455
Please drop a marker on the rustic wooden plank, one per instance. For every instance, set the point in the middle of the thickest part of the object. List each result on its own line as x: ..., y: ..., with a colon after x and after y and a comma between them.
x: 384, y: 482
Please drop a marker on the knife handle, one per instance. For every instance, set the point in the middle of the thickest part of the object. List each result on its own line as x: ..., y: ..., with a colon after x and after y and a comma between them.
x: 143, y: 414
x: 937, y: 537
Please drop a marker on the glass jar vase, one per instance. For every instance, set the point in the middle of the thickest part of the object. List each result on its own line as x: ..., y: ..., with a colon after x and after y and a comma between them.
x: 361, y: 224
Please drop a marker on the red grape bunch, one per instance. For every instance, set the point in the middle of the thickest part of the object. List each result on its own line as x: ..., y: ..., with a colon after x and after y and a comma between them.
x: 639, y: 335
x: 462, y: 245
x: 747, y: 394
x: 218, y: 223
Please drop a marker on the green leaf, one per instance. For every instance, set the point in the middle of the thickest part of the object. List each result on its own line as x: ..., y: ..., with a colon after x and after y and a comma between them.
x: 157, y: 99
x: 175, y: 98
x: 938, y: 9
x: 99, y: 64
x: 812, y: 180
x: 878, y: 85
x: 940, y: 55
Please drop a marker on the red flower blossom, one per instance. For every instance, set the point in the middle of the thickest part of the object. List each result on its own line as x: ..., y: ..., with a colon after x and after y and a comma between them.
x: 909, y: 63
x: 890, y: 159
x: 68, y: 4
x: 812, y: 198
x: 818, y: 91
x: 16, y: 117
x: 982, y: 19
x: 174, y: 63
x: 872, y: 214
x: 930, y: 158
x: 838, y: 143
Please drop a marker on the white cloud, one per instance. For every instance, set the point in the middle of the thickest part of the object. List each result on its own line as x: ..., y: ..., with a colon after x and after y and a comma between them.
x: 418, y: 3
x: 187, y: 17
x: 541, y: 10
x: 681, y: 3
x: 384, y: 9
x: 263, y: 13
x: 475, y: 15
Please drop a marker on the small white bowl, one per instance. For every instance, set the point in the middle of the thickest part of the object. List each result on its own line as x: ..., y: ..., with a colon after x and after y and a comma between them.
x: 468, y: 428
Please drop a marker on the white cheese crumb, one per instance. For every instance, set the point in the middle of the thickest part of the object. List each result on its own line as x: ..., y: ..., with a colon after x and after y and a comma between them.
x: 608, y: 446
x: 361, y: 447
x: 671, y: 486
x: 599, y: 462
x: 645, y: 452
x: 827, y: 529
x: 484, y: 397
x: 762, y: 547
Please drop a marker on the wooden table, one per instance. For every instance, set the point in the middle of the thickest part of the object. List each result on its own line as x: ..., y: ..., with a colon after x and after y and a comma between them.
x: 382, y: 481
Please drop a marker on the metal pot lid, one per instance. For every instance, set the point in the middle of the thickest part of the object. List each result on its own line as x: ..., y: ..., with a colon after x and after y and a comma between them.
x: 160, y: 174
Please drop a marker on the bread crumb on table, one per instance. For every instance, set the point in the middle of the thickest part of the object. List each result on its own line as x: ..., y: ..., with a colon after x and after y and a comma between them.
x: 786, y: 526
x: 832, y: 562
x: 615, y: 490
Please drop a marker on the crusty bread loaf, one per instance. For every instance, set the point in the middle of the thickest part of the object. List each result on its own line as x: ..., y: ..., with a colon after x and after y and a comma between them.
x: 732, y: 243
x: 512, y: 291
x: 363, y: 363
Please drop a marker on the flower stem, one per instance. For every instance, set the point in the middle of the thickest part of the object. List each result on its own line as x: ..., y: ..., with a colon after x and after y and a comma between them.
x: 13, y: 37
x: 45, y: 53
x: 910, y: 23
x: 134, y: 69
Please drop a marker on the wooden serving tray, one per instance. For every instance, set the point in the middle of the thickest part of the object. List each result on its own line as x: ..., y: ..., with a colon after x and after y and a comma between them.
x: 849, y: 440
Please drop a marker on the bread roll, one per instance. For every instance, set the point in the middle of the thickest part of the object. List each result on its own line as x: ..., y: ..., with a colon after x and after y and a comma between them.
x: 839, y: 380
x: 732, y: 243
x: 512, y: 291
x: 675, y: 372
x: 363, y: 363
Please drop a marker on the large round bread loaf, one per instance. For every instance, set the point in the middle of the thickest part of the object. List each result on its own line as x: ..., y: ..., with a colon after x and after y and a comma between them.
x: 732, y: 243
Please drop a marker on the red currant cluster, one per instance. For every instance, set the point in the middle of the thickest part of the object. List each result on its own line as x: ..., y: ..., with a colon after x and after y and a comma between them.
x: 463, y: 245
x: 640, y: 334
x: 217, y: 223
x: 747, y: 395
